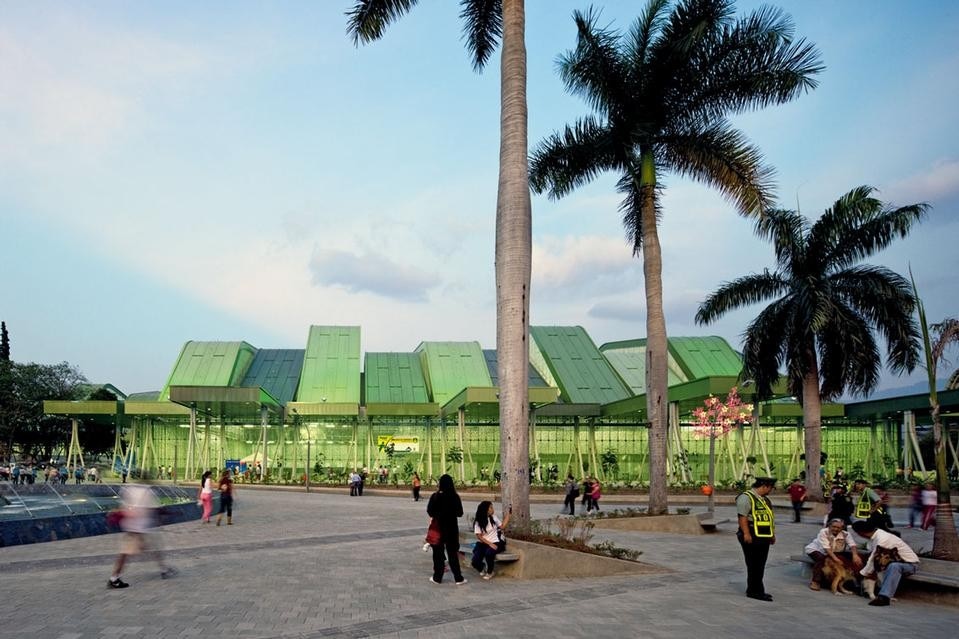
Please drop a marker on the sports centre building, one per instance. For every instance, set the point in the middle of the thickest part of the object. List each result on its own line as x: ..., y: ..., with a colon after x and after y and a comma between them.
x: 331, y: 408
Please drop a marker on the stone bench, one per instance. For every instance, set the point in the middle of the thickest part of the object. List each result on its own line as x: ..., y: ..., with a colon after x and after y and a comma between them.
x: 935, y: 574
x: 501, y: 558
x: 709, y: 522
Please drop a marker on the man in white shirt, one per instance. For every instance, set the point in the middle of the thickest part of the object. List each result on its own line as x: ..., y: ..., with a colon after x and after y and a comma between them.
x: 908, y: 563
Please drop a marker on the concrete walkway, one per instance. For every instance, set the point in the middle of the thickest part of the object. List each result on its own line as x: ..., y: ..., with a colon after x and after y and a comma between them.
x: 298, y: 566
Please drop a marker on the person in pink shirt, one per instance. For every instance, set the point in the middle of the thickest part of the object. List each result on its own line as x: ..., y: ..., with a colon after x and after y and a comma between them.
x: 594, y: 494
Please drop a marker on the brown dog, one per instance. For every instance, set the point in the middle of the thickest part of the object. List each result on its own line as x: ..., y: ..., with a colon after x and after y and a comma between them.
x: 837, y: 573
x: 880, y: 561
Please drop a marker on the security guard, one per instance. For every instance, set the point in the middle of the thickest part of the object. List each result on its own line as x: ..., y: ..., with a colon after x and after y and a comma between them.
x: 870, y: 506
x: 757, y: 532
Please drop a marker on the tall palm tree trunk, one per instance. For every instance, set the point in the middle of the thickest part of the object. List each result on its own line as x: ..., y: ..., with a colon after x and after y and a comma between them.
x: 945, y: 542
x: 513, y: 264
x: 656, y: 359
x: 812, y: 426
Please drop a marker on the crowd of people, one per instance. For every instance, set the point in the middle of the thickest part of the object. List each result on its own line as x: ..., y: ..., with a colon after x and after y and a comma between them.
x: 24, y: 474
x: 885, y: 558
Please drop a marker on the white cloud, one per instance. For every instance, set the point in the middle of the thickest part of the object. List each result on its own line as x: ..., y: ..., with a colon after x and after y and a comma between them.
x: 620, y: 310
x: 589, y: 263
x: 371, y: 273
x: 938, y: 182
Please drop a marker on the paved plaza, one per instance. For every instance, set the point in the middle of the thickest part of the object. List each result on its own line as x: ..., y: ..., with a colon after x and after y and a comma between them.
x: 299, y: 566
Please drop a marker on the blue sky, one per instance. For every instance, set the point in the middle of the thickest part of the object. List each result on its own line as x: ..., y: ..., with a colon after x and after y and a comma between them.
x: 238, y: 170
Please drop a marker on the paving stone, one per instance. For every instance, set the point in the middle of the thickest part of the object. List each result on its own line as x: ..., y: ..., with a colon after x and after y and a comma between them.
x: 304, y: 566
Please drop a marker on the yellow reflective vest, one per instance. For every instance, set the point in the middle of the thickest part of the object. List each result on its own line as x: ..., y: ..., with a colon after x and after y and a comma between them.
x: 864, y: 507
x: 764, y: 525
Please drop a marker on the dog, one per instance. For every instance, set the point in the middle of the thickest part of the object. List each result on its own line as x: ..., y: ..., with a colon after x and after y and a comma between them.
x: 837, y: 573
x: 880, y: 561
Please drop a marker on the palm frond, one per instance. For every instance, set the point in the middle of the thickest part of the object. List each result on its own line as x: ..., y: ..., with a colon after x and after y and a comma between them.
x: 886, y: 300
x: 787, y: 231
x: 641, y: 35
x: 874, y: 233
x: 594, y: 69
x: 690, y: 22
x: 846, y: 213
x: 752, y: 64
x: 671, y: 72
x: 765, y: 345
x: 368, y: 19
x: 744, y: 291
x: 563, y: 162
x: 848, y: 355
x: 482, y: 28
x: 631, y: 207
x: 720, y: 156
x: 945, y: 334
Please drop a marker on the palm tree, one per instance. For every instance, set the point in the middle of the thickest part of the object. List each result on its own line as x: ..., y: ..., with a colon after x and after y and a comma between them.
x: 660, y: 96
x: 945, y: 542
x: 486, y: 22
x: 826, y: 308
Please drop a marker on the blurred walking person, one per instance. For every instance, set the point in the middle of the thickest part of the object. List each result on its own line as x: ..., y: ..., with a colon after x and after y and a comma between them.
x: 137, y: 518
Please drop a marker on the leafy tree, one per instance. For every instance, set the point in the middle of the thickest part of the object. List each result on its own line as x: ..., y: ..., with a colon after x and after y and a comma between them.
x: 945, y: 542
x: 826, y: 308
x: 660, y: 95
x: 28, y: 428
x: 485, y: 23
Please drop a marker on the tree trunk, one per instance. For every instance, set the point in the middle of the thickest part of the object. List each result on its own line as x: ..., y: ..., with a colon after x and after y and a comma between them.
x: 656, y: 346
x: 513, y: 264
x: 812, y: 427
x: 945, y: 542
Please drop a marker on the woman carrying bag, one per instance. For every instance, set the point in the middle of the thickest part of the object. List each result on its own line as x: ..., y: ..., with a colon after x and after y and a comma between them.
x: 445, y: 507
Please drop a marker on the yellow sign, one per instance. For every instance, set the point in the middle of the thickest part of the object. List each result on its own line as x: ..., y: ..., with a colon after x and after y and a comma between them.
x: 400, y: 444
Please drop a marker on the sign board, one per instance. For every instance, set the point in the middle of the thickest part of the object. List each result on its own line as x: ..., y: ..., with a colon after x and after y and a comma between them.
x: 400, y: 444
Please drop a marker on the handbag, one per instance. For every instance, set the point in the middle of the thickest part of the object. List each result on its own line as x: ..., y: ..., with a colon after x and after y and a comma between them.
x: 575, y: 493
x: 433, y: 535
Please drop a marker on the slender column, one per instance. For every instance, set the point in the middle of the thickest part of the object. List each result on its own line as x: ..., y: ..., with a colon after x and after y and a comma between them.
x: 461, y: 426
x: 190, y: 470
x: 266, y: 458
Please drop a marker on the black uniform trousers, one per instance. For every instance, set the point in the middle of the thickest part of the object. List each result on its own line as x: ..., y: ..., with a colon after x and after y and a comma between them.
x: 755, y: 555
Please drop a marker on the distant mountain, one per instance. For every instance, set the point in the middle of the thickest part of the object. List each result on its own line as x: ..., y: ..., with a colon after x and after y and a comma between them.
x: 901, y: 391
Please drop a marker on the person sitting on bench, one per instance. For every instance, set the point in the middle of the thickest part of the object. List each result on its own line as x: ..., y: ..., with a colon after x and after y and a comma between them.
x: 489, y: 538
x: 829, y: 543
x: 905, y: 561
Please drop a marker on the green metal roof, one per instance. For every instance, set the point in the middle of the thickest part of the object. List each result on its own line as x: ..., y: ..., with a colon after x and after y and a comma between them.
x: 223, y: 401
x: 331, y: 367
x: 210, y: 364
x: 690, y: 358
x: 82, y: 407
x: 483, y: 401
x: 492, y: 364
x: 449, y: 367
x: 629, y: 361
x: 394, y: 378
x: 893, y: 406
x: 277, y: 371
x: 580, y: 371
x: 708, y: 356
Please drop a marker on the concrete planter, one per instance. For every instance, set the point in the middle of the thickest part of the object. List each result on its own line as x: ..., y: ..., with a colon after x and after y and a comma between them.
x: 682, y: 524
x: 537, y: 561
